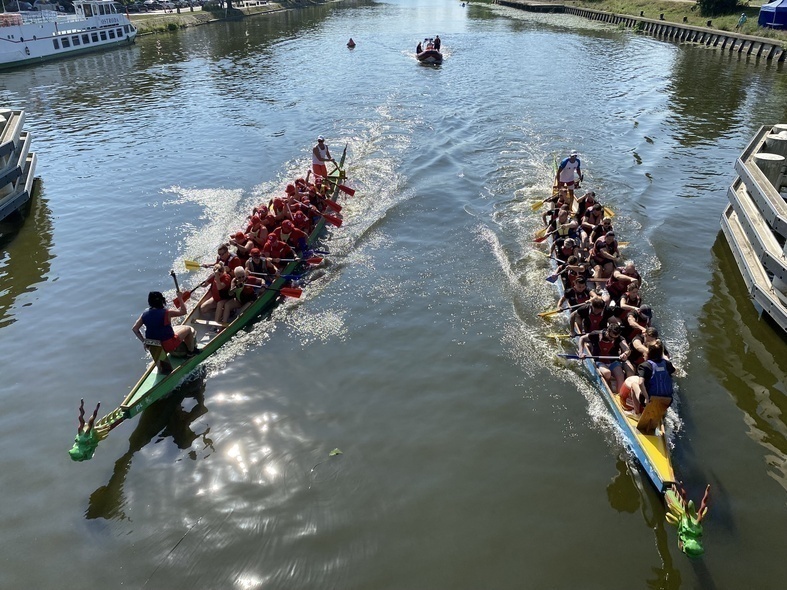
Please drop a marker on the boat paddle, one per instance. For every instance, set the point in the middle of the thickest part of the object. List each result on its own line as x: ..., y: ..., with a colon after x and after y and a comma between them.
x: 545, y: 314
x: 540, y: 237
x: 293, y: 292
x: 576, y: 357
x: 194, y: 265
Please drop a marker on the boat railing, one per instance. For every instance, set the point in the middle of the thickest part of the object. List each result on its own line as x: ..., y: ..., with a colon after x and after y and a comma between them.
x: 48, y: 16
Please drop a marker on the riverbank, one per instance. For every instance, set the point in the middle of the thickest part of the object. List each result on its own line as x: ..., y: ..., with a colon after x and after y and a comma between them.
x: 679, y: 12
x: 152, y: 23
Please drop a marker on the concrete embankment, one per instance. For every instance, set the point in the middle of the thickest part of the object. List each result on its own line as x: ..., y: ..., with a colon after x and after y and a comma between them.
x: 768, y: 50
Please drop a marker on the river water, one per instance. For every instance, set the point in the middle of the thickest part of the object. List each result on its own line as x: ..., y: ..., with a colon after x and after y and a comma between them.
x: 471, y: 458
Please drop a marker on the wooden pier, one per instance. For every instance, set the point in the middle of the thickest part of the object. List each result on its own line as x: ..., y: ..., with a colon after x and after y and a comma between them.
x: 17, y: 163
x: 755, y: 221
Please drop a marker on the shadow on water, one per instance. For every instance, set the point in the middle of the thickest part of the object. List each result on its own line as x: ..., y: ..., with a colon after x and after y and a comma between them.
x: 25, y: 243
x: 166, y: 418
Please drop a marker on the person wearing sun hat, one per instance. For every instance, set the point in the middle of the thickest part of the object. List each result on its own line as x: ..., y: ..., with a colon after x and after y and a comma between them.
x: 320, y: 155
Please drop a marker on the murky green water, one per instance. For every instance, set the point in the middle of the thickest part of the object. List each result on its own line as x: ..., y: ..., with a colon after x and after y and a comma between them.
x: 471, y: 458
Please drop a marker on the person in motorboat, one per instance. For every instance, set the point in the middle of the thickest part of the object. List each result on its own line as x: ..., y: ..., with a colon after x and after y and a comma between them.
x: 179, y: 340
x: 653, y: 379
x: 437, y: 43
x: 320, y: 155
x: 607, y: 343
x: 219, y: 282
x: 351, y: 43
x: 566, y: 173
x: 419, y: 48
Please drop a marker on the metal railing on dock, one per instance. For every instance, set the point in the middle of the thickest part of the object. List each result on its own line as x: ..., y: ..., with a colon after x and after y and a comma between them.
x: 755, y: 221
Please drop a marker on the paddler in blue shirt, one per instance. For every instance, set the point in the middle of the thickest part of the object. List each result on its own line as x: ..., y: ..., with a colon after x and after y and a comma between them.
x: 157, y: 322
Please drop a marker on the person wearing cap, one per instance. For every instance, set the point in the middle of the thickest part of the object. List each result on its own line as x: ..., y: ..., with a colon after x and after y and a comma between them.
x: 157, y: 322
x: 607, y: 342
x: 291, y: 236
x: 320, y: 155
x: 257, y: 232
x: 566, y: 173
x: 563, y: 248
x: 219, y: 283
x: 243, y: 291
x: 275, y: 249
x: 243, y: 245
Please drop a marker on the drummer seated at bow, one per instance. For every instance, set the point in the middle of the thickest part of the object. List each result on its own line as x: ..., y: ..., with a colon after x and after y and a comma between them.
x: 653, y: 379
x: 613, y: 350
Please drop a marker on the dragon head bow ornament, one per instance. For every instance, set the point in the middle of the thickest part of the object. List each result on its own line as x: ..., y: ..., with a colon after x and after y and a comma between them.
x: 682, y: 513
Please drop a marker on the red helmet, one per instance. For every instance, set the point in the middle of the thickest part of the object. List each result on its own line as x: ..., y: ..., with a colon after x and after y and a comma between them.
x: 287, y: 225
x: 290, y: 190
x: 300, y: 216
x: 255, y: 219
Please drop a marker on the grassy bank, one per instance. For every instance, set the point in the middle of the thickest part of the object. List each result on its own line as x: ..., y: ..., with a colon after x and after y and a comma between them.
x: 676, y: 10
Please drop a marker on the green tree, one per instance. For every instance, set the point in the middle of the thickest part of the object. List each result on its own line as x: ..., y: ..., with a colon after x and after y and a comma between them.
x: 717, y: 7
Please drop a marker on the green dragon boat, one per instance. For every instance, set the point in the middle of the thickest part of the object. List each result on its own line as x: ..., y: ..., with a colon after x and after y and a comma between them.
x: 156, y: 384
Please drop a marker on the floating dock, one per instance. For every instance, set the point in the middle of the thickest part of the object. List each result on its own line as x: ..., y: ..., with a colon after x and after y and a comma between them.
x: 755, y: 221
x: 17, y: 163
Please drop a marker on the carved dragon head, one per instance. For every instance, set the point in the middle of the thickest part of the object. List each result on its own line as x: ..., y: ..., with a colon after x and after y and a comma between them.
x: 682, y: 513
x: 88, y: 436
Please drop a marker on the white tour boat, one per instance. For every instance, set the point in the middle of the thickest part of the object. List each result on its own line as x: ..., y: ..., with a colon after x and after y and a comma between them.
x: 34, y: 36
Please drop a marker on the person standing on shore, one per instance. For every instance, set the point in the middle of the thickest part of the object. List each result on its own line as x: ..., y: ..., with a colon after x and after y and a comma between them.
x: 320, y: 155
x: 741, y: 21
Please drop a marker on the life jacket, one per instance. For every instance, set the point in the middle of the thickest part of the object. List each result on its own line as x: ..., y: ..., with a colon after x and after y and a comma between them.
x: 157, y: 326
x: 660, y: 383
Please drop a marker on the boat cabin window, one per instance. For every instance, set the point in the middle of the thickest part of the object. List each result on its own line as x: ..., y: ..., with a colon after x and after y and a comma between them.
x: 125, y: 28
x: 75, y: 40
x: 111, y: 33
x: 85, y: 39
x: 65, y: 42
x: 88, y: 10
x: 94, y: 37
x: 103, y: 35
x: 120, y: 33
x: 55, y: 43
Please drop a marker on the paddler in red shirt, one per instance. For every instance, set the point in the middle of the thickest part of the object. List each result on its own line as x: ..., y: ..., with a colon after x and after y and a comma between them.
x: 275, y: 249
x: 291, y: 236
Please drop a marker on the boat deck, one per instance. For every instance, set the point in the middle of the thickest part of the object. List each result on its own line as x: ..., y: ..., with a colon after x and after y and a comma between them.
x: 17, y: 163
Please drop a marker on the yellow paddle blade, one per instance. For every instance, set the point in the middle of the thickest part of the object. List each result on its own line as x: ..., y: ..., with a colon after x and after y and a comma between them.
x: 546, y: 314
x: 192, y: 265
x: 541, y: 233
x: 622, y: 244
x: 558, y: 336
x: 608, y: 212
x: 537, y: 205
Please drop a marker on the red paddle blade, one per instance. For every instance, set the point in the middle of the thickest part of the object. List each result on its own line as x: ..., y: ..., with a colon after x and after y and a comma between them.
x: 333, y: 220
x: 291, y: 292
x: 541, y: 239
x: 333, y: 205
x: 186, y: 295
x: 314, y: 260
x: 347, y: 190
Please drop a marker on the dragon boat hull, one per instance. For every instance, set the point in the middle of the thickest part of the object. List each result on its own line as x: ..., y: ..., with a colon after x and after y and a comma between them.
x: 155, y: 385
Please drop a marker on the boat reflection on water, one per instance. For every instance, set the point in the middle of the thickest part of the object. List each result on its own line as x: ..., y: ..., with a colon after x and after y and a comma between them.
x: 748, y: 353
x: 629, y: 492
x: 164, y: 419
x: 25, y: 244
